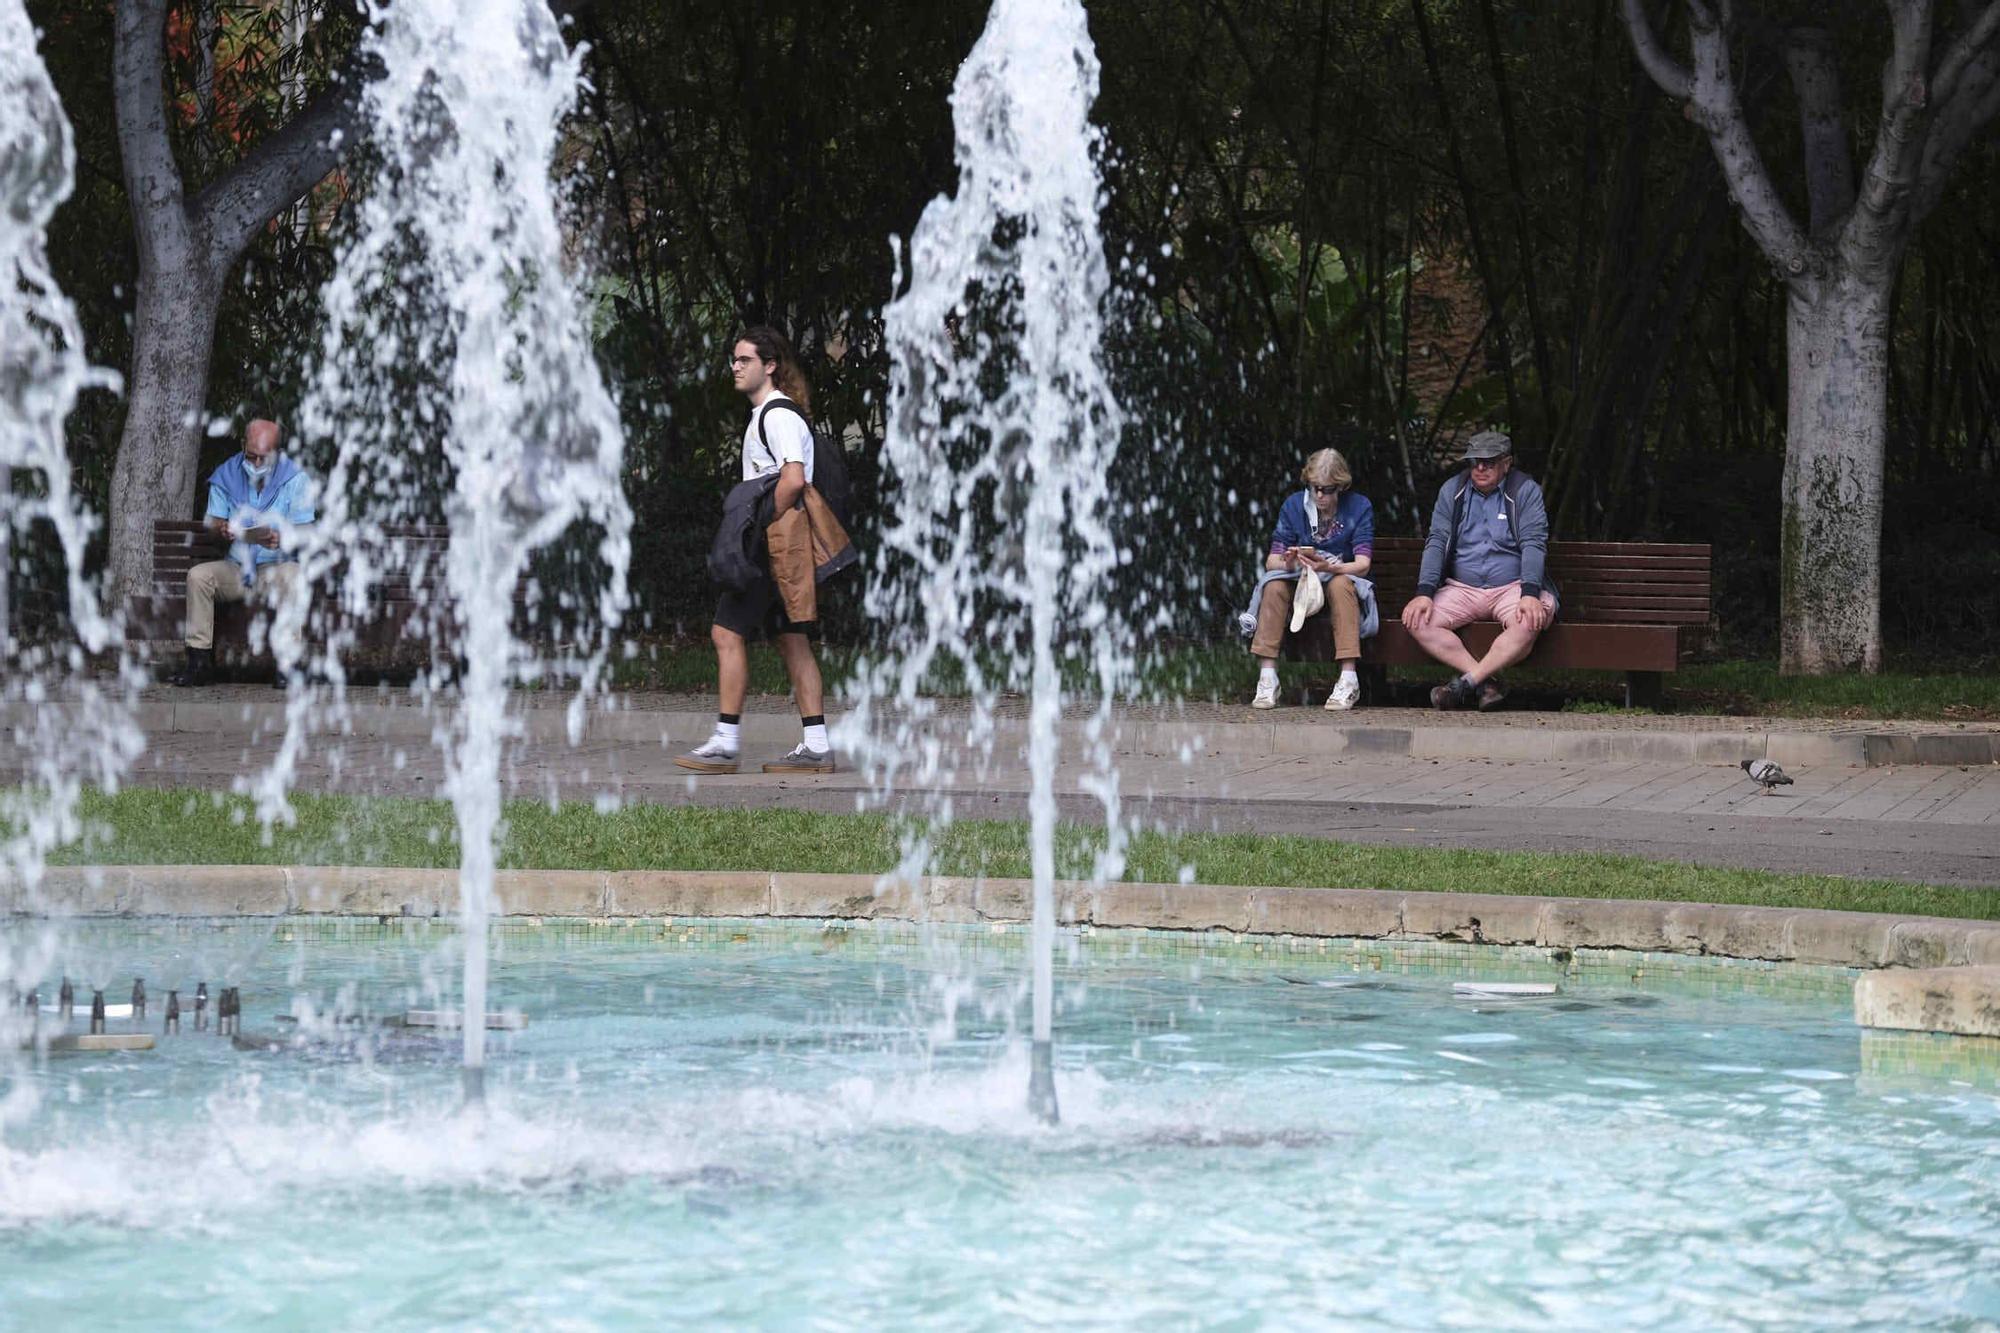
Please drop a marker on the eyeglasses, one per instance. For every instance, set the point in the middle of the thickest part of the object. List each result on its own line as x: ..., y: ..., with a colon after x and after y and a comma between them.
x: 1326, y: 490
x: 1489, y: 463
x: 738, y: 362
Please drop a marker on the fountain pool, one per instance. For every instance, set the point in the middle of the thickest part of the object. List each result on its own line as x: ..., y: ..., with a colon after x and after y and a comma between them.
x: 730, y: 1123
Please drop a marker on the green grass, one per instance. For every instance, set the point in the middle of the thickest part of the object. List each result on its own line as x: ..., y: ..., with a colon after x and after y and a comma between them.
x: 184, y: 827
x: 1222, y: 672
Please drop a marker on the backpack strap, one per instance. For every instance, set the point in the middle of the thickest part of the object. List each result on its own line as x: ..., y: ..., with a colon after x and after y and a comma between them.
x: 764, y: 436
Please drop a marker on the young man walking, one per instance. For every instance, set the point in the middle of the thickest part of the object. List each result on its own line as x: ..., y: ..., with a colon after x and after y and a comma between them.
x: 778, y: 441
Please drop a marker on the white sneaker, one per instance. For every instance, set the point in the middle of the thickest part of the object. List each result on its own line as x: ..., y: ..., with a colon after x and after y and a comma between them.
x: 1345, y: 695
x: 711, y: 756
x: 1267, y: 694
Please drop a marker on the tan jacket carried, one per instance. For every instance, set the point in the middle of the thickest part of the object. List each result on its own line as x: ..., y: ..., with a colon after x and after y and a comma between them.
x: 807, y: 545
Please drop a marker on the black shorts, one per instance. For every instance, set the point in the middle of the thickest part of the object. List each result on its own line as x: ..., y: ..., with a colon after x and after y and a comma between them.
x: 758, y: 612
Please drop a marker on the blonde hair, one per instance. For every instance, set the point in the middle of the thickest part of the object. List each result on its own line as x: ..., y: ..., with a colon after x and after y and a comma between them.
x: 1327, y: 468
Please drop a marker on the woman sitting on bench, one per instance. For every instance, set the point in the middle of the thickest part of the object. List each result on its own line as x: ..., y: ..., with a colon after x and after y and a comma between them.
x: 1324, y: 541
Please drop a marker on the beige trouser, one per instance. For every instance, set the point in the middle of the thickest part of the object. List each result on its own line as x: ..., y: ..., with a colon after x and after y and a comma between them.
x: 222, y: 581
x: 1274, y: 617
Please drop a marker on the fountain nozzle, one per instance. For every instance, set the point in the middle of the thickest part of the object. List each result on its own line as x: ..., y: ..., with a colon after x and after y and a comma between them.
x: 200, y: 1006
x: 173, y: 1023
x: 66, y: 1000
x: 138, y: 997
x: 96, y: 1013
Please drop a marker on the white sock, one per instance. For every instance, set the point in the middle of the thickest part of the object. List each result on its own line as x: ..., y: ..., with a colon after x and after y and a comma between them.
x: 1267, y: 676
x: 816, y: 740
x: 727, y: 735
x: 1347, y: 675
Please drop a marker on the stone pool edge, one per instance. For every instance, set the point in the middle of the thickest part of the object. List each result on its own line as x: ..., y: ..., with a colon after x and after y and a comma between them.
x: 1922, y: 974
x: 1859, y: 940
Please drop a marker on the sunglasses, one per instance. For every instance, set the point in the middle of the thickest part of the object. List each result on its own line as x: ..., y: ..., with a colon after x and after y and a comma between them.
x: 1490, y: 462
x: 1326, y: 490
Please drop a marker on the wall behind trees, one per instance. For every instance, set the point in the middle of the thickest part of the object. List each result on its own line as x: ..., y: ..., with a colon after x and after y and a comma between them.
x: 1308, y: 203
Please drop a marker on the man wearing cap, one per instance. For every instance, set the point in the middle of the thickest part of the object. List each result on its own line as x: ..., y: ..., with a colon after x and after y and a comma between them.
x: 1483, y: 560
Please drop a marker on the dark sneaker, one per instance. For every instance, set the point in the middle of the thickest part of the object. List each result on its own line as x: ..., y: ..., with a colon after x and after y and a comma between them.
x: 1490, y: 696
x: 709, y: 757
x: 1452, y: 694
x: 802, y: 760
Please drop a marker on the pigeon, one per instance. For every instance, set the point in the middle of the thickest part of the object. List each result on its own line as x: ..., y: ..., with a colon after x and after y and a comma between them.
x: 1766, y: 773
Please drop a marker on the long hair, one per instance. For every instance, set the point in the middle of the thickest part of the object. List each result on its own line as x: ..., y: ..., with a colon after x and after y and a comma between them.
x: 774, y: 346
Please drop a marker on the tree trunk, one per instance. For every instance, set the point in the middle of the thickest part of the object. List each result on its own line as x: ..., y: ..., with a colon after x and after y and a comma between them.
x: 173, y: 340
x: 187, y: 248
x: 1838, y: 348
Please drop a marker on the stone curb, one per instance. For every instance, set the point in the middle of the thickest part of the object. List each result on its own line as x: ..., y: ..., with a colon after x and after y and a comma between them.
x: 1861, y: 940
x: 1963, y: 1001
x: 1799, y: 749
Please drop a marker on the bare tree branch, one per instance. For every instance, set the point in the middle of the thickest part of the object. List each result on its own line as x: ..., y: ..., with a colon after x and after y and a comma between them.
x: 283, y: 166
x: 1714, y: 104
x: 1972, y: 107
x: 1674, y: 79
x: 1973, y: 42
x: 1882, y: 210
x: 1809, y: 55
x: 152, y: 177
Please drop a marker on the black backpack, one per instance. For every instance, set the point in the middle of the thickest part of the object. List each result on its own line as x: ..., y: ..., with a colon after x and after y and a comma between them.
x: 830, y: 477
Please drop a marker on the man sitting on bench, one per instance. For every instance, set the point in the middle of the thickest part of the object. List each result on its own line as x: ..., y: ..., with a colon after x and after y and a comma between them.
x: 1483, y: 560
x: 258, y: 500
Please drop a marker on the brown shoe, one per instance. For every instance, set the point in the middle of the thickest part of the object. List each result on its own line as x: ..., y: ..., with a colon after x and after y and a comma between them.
x: 1450, y: 695
x: 708, y: 757
x: 802, y: 760
x: 1490, y: 695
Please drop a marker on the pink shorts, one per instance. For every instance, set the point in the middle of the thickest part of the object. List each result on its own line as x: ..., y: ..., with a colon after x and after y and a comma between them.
x: 1459, y: 604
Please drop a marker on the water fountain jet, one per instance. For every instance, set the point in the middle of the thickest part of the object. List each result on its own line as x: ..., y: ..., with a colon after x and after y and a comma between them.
x: 998, y: 550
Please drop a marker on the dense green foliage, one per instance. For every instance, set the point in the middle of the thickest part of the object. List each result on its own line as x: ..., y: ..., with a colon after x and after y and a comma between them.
x: 185, y: 827
x: 1311, y: 207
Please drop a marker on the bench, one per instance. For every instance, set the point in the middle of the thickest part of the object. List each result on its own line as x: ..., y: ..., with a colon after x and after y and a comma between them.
x: 395, y: 631
x: 1634, y: 607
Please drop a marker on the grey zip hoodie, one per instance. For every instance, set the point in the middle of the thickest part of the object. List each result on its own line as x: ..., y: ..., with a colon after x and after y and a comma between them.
x: 1527, y: 530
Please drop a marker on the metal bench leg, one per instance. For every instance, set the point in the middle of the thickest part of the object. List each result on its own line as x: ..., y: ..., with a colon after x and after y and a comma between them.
x: 1645, y: 689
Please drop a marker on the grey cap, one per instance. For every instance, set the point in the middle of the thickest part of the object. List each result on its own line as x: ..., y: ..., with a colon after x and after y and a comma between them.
x: 1487, y: 444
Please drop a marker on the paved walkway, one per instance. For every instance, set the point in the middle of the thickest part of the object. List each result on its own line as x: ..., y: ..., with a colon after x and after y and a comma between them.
x: 1935, y: 823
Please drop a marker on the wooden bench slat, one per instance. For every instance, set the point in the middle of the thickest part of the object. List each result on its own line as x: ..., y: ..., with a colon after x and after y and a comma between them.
x: 409, y: 559
x: 1640, y: 550
x: 1630, y: 647
x: 1627, y: 606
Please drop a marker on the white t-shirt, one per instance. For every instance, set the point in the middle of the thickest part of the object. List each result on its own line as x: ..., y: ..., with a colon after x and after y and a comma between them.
x: 791, y: 441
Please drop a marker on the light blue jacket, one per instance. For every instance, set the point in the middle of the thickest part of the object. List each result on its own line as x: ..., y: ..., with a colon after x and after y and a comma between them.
x: 286, y: 503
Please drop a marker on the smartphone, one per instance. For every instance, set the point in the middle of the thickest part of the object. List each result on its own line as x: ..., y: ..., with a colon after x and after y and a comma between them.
x: 1305, y: 550
x: 256, y: 536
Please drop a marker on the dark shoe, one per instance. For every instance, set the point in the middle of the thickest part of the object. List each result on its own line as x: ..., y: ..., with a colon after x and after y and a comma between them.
x: 802, y: 760
x: 1491, y: 695
x: 1452, y: 694
x: 282, y: 681
x: 198, y: 668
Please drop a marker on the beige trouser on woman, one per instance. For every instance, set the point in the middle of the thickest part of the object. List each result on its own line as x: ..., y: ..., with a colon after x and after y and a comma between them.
x: 222, y: 581
x: 1274, y: 617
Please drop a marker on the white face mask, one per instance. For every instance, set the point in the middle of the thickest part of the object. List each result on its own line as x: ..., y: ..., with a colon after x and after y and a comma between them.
x: 258, y: 471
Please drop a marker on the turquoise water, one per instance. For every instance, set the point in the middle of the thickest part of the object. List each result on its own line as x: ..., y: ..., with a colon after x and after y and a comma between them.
x: 795, y: 1131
